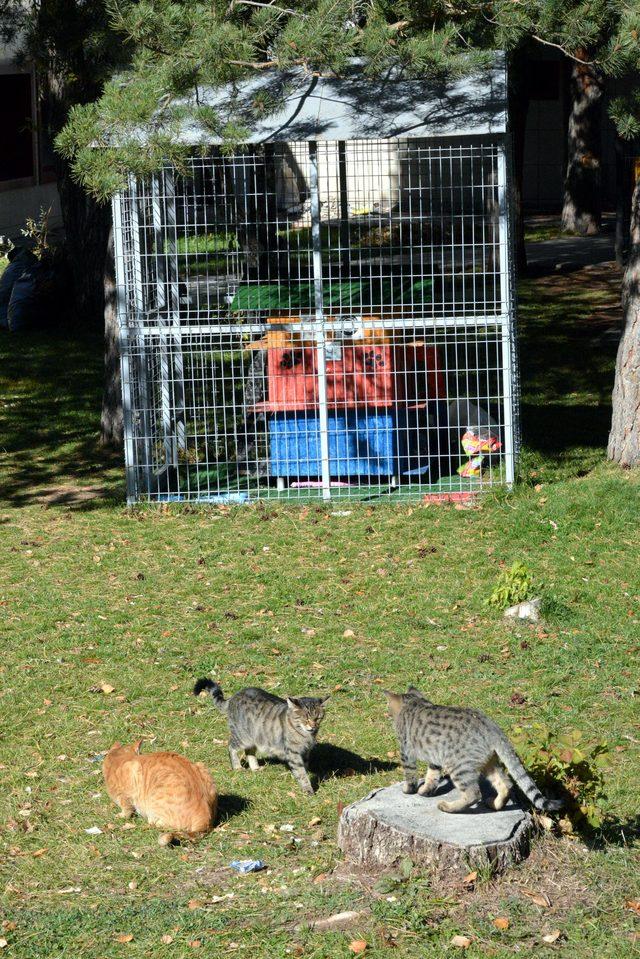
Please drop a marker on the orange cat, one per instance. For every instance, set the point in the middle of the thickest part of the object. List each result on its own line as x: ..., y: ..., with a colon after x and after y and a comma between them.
x: 165, y: 788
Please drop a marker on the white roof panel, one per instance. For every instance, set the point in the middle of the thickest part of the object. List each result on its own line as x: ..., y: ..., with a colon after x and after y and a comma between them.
x: 355, y: 106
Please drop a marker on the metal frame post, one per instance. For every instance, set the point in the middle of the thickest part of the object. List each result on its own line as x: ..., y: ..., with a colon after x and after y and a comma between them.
x: 506, y: 313
x: 125, y: 352
x: 321, y: 353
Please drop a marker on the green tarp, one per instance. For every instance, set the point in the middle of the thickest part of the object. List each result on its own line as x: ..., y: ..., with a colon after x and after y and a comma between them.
x: 349, y: 294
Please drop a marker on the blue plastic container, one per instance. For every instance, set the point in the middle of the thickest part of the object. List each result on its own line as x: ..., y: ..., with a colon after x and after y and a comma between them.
x: 360, y: 444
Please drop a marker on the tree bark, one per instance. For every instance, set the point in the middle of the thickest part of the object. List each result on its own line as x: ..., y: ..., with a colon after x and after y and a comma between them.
x: 582, y: 210
x: 518, y: 109
x: 86, y: 224
x: 624, y: 438
x: 383, y: 829
x: 624, y: 189
x: 111, y: 421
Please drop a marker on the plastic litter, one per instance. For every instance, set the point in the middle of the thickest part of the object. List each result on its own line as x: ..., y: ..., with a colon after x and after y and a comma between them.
x: 247, y: 865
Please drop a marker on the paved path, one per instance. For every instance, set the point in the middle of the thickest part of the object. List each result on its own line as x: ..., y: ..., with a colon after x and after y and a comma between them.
x: 569, y: 253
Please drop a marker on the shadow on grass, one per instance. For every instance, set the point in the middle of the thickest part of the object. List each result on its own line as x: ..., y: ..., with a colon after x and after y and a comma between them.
x: 230, y: 805
x: 51, y: 387
x: 328, y: 761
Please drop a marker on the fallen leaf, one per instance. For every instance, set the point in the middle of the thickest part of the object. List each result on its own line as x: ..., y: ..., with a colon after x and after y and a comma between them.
x: 195, y: 943
x: 3, y: 943
x: 125, y: 937
x: 470, y: 878
x: 462, y: 942
x: 39, y: 852
x: 166, y: 939
x: 552, y: 937
x: 9, y: 925
x: 540, y: 898
x: 358, y: 945
x: 315, y: 821
x: 195, y: 904
x: 633, y: 904
x: 501, y: 922
x: 348, y: 634
x: 94, y: 831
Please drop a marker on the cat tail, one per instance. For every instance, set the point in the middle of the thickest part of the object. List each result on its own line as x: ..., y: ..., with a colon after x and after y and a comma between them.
x: 507, y: 755
x: 214, y: 690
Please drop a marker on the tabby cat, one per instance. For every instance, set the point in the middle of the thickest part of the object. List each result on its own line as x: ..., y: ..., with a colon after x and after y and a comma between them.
x: 166, y: 789
x: 259, y: 721
x: 463, y: 744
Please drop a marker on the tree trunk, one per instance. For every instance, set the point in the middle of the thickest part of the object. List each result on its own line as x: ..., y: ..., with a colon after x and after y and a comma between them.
x: 111, y: 423
x: 624, y: 438
x: 518, y: 109
x: 624, y: 189
x: 582, y: 211
x: 86, y: 224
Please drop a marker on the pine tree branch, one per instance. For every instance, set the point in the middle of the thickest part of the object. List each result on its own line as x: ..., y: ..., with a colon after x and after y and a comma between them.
x: 266, y: 6
x: 558, y: 46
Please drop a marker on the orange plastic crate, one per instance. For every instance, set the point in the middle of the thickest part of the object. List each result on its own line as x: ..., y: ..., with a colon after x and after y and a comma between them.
x: 365, y: 374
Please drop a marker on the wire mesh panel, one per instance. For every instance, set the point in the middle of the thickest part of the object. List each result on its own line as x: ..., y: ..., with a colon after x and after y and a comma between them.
x: 326, y: 319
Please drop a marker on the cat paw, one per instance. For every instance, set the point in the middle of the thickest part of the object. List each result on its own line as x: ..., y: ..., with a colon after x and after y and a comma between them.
x: 446, y: 807
x: 409, y: 788
x: 427, y: 789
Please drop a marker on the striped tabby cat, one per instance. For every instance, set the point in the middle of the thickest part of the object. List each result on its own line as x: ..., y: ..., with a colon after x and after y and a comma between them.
x: 463, y: 744
x: 261, y: 722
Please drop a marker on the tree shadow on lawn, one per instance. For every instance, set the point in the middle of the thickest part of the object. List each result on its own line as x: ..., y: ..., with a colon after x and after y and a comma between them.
x: 50, y: 421
x: 567, y: 352
x: 51, y: 386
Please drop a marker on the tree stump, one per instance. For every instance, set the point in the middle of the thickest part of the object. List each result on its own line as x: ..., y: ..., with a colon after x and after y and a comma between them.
x: 387, y: 826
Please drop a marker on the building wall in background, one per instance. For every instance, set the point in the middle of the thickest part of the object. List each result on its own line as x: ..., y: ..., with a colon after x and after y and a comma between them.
x: 27, y: 174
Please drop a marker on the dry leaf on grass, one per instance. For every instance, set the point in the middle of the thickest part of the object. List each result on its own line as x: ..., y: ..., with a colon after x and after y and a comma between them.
x: 195, y: 943
x: 501, y: 922
x: 3, y: 943
x: 540, y: 898
x: 358, y: 945
x: 125, y: 937
x: 633, y: 904
x: 166, y: 939
x: 462, y: 942
x: 470, y: 878
x: 195, y: 904
x: 552, y: 937
x: 8, y: 925
x: 348, y: 634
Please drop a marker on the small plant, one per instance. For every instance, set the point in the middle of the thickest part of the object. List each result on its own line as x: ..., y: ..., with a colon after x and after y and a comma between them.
x: 515, y: 585
x: 569, y: 766
x: 38, y: 232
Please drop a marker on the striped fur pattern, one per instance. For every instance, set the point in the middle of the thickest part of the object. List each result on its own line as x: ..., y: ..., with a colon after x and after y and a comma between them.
x: 284, y: 729
x: 462, y: 744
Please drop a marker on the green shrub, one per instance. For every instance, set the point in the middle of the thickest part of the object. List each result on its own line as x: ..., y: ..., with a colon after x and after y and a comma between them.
x: 515, y: 585
x: 567, y: 765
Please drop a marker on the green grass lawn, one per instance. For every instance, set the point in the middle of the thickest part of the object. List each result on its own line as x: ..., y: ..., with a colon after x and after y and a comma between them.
x: 146, y: 600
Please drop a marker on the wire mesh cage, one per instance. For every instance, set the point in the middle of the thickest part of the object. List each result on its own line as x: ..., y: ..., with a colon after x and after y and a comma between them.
x: 319, y: 318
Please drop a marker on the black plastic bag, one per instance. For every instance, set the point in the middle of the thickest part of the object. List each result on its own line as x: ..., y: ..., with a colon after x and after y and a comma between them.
x: 21, y: 260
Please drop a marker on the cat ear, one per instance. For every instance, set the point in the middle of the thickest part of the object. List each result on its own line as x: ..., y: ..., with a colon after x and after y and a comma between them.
x: 292, y: 703
x: 136, y: 746
x: 394, y: 700
x: 325, y: 699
